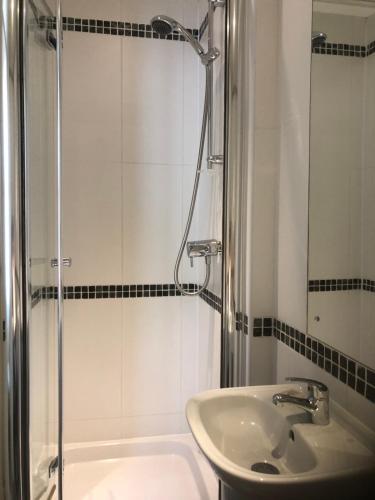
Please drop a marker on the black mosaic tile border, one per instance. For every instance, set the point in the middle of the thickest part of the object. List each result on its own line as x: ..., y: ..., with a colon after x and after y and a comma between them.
x: 36, y: 296
x: 340, y: 49
x: 371, y: 48
x: 242, y: 323
x: 78, y: 292
x: 211, y: 299
x: 333, y: 285
x: 120, y: 28
x: 263, y: 327
x: 344, y: 49
x: 350, y: 372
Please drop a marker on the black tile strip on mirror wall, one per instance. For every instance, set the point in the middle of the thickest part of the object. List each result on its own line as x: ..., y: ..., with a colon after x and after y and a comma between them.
x: 119, y: 28
x: 344, y: 49
x: 349, y: 371
x: 334, y: 285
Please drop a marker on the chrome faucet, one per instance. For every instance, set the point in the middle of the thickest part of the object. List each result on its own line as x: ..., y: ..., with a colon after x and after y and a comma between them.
x: 316, y: 403
x: 203, y: 248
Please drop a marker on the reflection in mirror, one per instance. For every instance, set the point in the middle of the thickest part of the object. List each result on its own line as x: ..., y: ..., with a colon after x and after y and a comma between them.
x: 342, y: 182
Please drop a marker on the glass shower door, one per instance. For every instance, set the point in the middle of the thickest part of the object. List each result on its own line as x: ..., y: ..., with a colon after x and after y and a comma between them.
x: 41, y: 121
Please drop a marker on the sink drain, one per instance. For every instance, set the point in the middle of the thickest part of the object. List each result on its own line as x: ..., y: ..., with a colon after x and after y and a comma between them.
x: 265, y: 468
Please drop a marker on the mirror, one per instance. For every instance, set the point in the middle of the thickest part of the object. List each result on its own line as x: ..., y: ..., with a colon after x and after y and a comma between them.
x: 341, y: 298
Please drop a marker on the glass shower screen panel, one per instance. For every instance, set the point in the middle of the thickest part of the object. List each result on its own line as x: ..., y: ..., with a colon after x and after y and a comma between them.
x: 41, y: 209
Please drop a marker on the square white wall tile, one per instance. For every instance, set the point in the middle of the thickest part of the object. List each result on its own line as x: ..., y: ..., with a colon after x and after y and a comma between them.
x: 339, y: 314
x: 295, y: 47
x: 364, y: 409
x: 262, y: 360
x: 264, y: 221
x: 267, y: 62
x: 152, y: 356
x: 209, y: 347
x: 152, y: 101
x: 192, y: 113
x: 337, y: 92
x: 151, y: 425
x: 190, y: 13
x: 92, y: 222
x: 184, y: 11
x: 92, y: 9
x: 368, y: 221
x: 151, y: 222
x: 92, y: 97
x: 92, y: 352
x: 190, y: 332
x: 101, y: 429
x: 370, y: 29
x: 329, y: 213
x: 143, y: 11
x: 369, y: 114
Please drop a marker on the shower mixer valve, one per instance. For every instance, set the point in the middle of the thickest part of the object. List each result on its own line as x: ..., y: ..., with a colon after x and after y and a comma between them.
x: 202, y: 248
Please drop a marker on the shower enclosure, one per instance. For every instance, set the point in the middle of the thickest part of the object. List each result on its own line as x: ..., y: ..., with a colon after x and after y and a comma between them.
x: 106, y: 167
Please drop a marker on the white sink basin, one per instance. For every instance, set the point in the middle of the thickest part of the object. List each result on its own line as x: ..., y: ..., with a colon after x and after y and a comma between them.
x: 237, y: 428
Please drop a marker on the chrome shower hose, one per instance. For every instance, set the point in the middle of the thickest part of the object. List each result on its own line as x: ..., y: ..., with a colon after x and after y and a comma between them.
x: 193, y: 202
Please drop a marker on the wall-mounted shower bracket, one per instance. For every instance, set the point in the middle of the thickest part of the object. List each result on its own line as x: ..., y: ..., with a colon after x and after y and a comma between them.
x: 202, y: 248
x: 210, y: 56
x: 52, y: 468
x: 214, y: 160
x: 218, y: 3
x: 67, y: 262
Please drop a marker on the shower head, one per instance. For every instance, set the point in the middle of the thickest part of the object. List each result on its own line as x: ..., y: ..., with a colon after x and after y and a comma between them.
x: 318, y: 38
x: 164, y: 25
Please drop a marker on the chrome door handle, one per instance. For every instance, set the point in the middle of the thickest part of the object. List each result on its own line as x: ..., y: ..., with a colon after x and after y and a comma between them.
x: 67, y: 262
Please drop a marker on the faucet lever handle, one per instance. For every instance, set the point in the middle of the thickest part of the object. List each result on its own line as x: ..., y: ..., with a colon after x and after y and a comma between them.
x: 313, y: 384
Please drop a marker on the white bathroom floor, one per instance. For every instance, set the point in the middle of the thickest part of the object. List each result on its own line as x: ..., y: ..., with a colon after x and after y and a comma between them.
x: 155, y: 468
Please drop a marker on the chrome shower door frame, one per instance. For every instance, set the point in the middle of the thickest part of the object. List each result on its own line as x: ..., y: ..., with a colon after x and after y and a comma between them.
x: 239, y: 119
x: 15, y: 291
x: 14, y: 469
x: 60, y: 260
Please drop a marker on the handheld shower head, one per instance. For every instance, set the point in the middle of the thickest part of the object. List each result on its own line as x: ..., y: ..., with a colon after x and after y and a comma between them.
x: 165, y: 25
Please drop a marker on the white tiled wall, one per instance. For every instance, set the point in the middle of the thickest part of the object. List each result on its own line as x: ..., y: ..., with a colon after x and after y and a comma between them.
x: 132, y: 113
x: 131, y: 365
